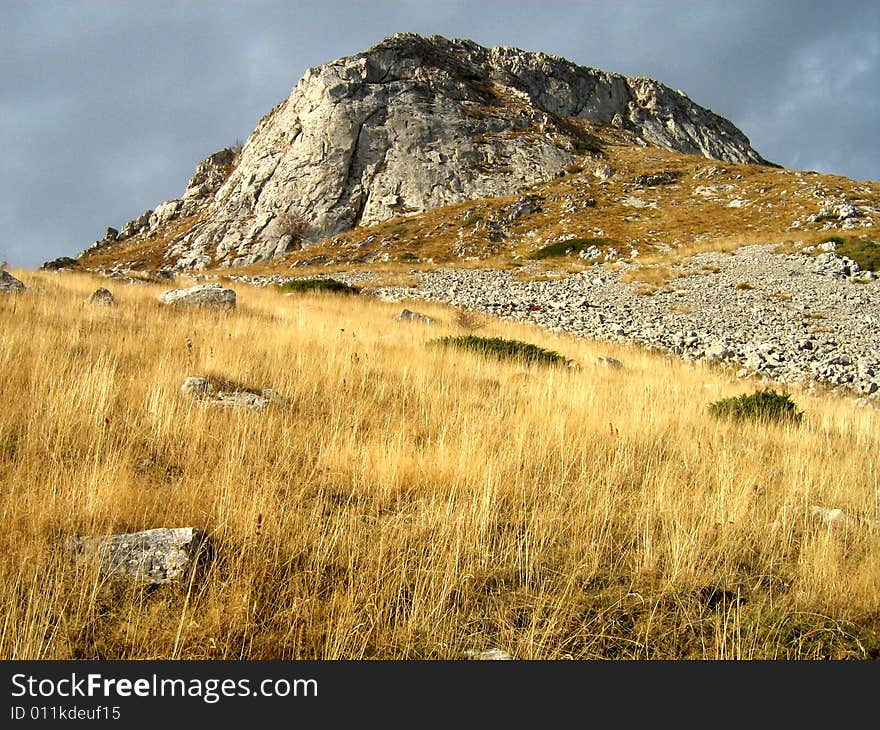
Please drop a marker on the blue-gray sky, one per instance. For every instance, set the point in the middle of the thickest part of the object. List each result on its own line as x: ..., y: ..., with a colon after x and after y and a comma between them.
x: 106, y: 106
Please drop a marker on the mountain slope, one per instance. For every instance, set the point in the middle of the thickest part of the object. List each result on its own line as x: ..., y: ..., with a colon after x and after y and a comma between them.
x: 409, y: 125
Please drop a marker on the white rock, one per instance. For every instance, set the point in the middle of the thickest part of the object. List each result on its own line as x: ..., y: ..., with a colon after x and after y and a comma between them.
x: 407, y: 315
x: 201, y: 295
x: 488, y: 655
x: 154, y: 556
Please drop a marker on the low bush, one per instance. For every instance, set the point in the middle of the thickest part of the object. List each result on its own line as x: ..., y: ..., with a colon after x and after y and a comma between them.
x: 572, y: 245
x: 763, y: 405
x: 304, y: 286
x: 503, y: 349
x: 865, y: 253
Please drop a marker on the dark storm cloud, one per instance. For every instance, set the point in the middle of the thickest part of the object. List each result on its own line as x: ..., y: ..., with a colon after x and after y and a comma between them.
x: 106, y: 107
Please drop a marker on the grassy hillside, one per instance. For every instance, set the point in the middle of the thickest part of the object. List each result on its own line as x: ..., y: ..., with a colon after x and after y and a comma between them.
x: 414, y: 501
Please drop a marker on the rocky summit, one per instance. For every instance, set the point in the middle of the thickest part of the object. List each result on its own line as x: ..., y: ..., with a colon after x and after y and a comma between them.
x: 411, y: 124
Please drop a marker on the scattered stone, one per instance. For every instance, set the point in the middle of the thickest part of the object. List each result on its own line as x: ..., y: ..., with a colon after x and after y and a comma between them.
x: 604, y: 172
x: 9, y: 284
x: 831, y: 264
x: 660, y: 178
x: 143, y: 464
x: 196, y: 387
x: 407, y: 315
x: 229, y: 395
x: 822, y: 331
x: 610, y: 362
x: 201, y: 295
x: 101, y: 298
x: 152, y: 557
x: 488, y: 655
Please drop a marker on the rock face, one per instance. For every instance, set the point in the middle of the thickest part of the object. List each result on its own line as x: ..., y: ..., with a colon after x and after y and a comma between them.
x: 202, y: 295
x: 153, y: 556
x: 411, y: 124
x: 9, y: 284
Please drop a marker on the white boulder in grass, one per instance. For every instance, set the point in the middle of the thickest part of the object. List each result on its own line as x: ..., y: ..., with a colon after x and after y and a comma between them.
x: 156, y: 556
x: 488, y: 655
x: 834, y: 517
x: 201, y: 295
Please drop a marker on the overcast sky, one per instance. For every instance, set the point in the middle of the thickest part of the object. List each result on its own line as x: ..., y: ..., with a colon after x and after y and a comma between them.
x: 106, y: 106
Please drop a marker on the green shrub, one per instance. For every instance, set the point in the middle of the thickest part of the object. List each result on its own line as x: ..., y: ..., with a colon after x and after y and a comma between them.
x: 503, y: 349
x: 763, y: 405
x: 572, y: 245
x: 303, y: 286
x: 865, y: 253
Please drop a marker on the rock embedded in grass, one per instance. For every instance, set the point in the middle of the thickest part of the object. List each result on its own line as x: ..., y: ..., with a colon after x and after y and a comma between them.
x: 488, y: 655
x: 153, y: 557
x: 102, y: 298
x: 210, y: 392
x: 407, y: 315
x: 610, y: 362
x: 9, y: 284
x: 201, y: 295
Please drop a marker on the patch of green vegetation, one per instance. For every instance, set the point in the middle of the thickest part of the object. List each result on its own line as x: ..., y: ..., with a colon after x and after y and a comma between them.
x: 304, y: 286
x: 865, y: 253
x: 583, y: 147
x: 504, y: 349
x: 836, y: 240
x: 572, y: 245
x: 763, y: 405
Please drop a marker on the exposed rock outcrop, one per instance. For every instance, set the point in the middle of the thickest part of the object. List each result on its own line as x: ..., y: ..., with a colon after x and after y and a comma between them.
x: 154, y: 556
x: 411, y: 124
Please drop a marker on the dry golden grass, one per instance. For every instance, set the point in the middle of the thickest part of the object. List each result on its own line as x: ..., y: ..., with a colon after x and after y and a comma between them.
x: 413, y: 502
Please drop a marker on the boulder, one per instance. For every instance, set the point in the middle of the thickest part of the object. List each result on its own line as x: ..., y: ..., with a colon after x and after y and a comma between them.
x: 101, y: 298
x: 152, y: 557
x: 407, y: 315
x: 201, y: 295
x: 610, y: 362
x: 9, y: 284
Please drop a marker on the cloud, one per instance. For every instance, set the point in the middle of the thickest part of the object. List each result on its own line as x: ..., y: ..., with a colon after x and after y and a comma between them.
x: 107, y: 106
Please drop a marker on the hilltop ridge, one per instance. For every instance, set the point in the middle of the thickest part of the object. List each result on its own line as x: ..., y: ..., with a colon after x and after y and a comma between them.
x: 407, y: 126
